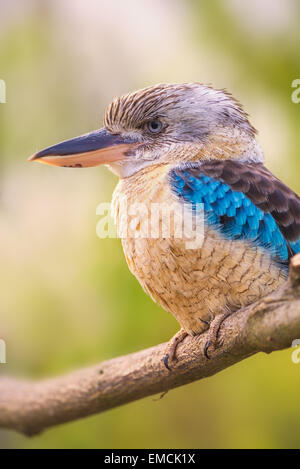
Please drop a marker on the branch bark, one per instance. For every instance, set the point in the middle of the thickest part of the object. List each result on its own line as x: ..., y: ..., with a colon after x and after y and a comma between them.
x: 268, y: 325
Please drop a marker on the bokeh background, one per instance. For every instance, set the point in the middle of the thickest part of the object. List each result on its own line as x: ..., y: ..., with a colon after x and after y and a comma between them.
x: 67, y: 298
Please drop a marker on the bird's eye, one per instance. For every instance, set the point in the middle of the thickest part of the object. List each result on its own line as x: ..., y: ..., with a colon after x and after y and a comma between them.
x: 154, y: 126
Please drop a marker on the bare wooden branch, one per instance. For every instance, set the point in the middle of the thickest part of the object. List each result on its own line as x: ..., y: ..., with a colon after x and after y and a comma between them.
x: 268, y: 325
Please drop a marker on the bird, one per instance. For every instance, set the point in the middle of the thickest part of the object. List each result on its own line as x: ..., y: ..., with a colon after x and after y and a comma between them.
x: 191, y: 145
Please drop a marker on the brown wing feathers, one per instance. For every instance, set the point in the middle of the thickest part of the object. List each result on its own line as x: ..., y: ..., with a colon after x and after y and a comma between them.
x: 266, y: 191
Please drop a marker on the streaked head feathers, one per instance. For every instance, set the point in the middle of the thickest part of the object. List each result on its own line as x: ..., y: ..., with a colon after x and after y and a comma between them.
x: 189, y: 111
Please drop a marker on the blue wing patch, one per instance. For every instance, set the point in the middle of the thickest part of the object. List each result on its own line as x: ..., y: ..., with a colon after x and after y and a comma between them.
x: 233, y: 213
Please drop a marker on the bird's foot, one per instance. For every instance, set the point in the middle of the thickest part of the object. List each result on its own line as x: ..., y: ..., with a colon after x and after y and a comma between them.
x: 213, y: 341
x: 170, y: 354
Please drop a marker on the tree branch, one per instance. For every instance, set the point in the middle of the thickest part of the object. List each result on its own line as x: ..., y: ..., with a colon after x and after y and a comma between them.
x: 268, y: 325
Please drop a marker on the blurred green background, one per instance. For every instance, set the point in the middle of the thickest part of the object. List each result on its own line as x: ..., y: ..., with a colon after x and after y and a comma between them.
x: 67, y: 297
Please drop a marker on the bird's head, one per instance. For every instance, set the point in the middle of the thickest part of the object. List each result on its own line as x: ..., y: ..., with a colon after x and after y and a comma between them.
x: 162, y: 124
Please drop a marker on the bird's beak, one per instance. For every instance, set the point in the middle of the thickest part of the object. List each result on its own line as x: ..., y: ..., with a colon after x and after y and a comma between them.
x: 92, y: 149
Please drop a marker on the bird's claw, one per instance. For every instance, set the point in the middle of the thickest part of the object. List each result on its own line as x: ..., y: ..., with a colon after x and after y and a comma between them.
x: 214, y: 341
x: 208, y: 343
x: 166, y: 361
x: 170, y: 354
x: 213, y: 344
